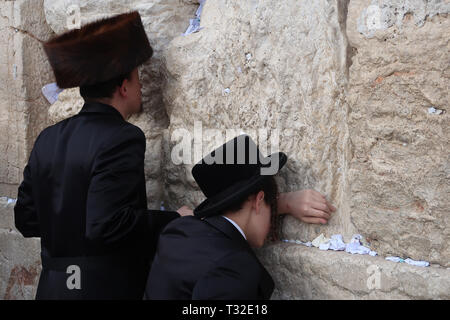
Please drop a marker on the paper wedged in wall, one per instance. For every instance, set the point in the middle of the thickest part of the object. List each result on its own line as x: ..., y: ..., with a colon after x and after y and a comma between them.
x: 433, y: 110
x: 198, y: 13
x: 51, y: 92
x: 319, y: 240
x: 9, y: 200
x: 308, y: 244
x: 417, y: 263
x: 356, y: 238
x: 337, y: 243
x: 409, y: 261
x: 324, y: 246
x: 395, y: 259
x: 194, y: 24
x: 355, y: 247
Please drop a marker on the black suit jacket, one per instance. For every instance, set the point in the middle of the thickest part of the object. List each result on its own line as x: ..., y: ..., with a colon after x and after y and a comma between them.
x: 206, y: 259
x: 84, y: 195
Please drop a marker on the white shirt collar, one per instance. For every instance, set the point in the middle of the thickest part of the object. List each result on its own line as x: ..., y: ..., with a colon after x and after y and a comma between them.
x: 237, y: 227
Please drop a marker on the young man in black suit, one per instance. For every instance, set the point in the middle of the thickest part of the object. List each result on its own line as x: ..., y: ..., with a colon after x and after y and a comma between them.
x: 209, y: 255
x: 84, y: 190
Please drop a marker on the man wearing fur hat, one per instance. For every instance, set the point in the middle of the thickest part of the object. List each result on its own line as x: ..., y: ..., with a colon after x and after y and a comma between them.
x: 84, y: 191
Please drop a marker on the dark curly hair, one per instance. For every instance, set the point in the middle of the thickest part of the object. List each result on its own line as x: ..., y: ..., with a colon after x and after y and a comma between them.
x: 105, y: 89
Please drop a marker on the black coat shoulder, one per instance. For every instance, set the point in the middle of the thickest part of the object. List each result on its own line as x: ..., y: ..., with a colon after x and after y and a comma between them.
x: 206, y: 259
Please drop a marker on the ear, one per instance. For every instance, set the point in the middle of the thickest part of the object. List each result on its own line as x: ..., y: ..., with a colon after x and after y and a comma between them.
x: 259, y: 201
x: 123, y: 89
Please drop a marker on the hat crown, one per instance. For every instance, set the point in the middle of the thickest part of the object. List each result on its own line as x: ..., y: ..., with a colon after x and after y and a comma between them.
x: 99, y: 51
x: 237, y: 160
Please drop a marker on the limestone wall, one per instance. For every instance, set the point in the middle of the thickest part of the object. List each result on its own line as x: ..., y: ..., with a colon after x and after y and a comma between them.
x: 356, y: 92
x: 23, y: 70
x: 399, y: 169
x: 24, y: 114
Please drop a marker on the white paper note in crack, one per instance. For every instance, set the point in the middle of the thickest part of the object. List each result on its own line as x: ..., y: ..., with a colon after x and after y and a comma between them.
x: 319, y: 240
x: 308, y: 244
x: 9, y: 200
x: 356, y: 238
x: 355, y: 247
x: 198, y: 13
x: 337, y: 243
x: 194, y: 24
x: 51, y: 92
x: 409, y: 261
x: 417, y: 263
x: 324, y: 246
x: 395, y: 259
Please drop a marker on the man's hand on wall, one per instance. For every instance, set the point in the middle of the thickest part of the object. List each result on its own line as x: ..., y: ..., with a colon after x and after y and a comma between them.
x: 308, y: 206
x: 185, y: 211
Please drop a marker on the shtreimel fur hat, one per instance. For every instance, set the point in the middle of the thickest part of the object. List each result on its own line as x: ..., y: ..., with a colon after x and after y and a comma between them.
x: 99, y: 51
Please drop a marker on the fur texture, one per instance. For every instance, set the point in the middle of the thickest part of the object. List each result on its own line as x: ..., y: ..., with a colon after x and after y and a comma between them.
x: 99, y: 51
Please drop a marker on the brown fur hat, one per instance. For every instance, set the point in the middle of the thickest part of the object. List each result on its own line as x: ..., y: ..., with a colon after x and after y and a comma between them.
x: 99, y: 51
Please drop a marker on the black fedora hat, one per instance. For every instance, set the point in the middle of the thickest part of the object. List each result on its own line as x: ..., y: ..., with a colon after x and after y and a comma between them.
x: 231, y: 172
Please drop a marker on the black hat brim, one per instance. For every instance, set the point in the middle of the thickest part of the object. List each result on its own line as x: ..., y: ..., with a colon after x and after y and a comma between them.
x: 216, y: 204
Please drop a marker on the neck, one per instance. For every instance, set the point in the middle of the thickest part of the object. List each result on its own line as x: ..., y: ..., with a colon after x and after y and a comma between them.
x: 240, y: 218
x: 113, y: 104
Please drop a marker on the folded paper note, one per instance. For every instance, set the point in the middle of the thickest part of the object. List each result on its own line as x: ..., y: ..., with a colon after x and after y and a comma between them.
x: 51, y: 92
x: 319, y: 240
x: 194, y: 24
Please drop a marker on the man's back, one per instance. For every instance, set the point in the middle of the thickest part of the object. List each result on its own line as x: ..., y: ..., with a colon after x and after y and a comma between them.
x: 61, y: 168
x: 206, y: 259
x: 84, y: 194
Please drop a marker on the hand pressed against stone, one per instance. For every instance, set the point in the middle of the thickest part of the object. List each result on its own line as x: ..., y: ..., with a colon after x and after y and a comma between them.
x: 185, y: 211
x: 308, y: 206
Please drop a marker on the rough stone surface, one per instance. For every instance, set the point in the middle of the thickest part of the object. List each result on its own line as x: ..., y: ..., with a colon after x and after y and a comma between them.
x: 23, y: 70
x: 383, y: 14
x: 23, y: 67
x: 266, y: 64
x: 309, y: 273
x: 20, y: 262
x: 399, y: 171
x: 11, y: 155
x: 69, y: 103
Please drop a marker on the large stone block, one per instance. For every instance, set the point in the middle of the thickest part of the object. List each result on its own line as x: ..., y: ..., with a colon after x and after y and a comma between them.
x: 23, y: 72
x: 12, y: 104
x: 270, y: 65
x: 399, y: 171
x: 20, y: 261
x: 308, y: 273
